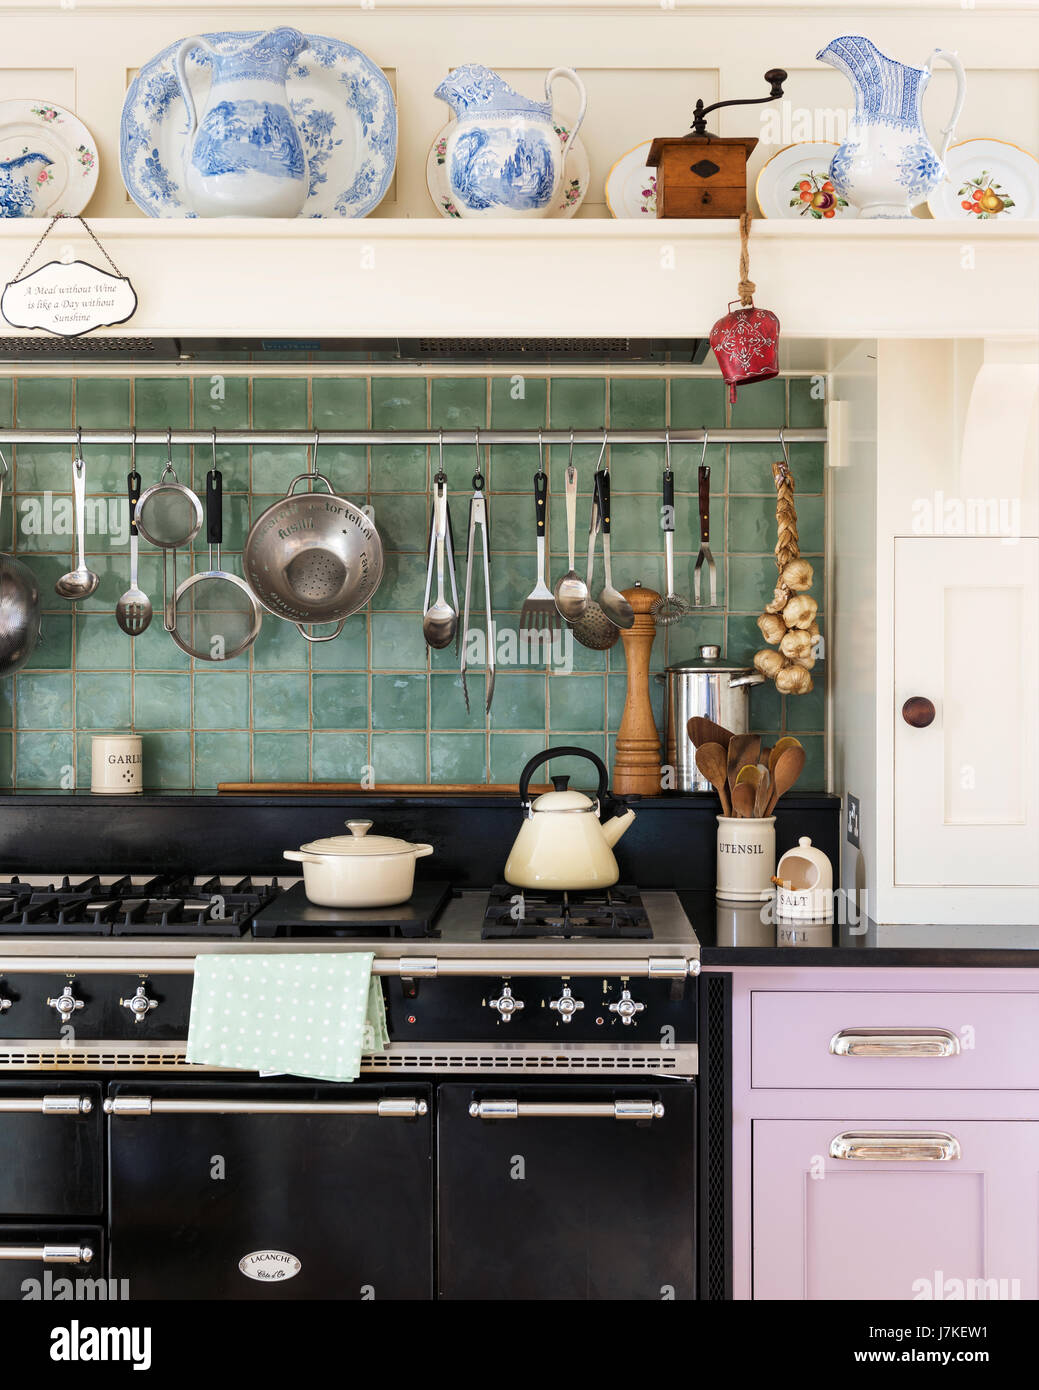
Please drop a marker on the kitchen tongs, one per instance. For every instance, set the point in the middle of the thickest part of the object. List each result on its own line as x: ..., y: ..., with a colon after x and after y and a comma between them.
x: 704, y: 556
x: 478, y: 521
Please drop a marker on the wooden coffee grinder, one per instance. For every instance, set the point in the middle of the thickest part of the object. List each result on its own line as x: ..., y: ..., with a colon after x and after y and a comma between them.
x: 705, y: 175
x: 636, y: 768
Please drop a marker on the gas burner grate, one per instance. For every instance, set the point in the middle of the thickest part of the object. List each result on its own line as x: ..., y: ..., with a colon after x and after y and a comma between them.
x: 514, y: 914
x: 166, y: 905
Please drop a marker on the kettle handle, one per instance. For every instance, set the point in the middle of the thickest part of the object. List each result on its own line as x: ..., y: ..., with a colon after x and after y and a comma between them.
x: 961, y: 90
x: 548, y: 753
x: 570, y: 76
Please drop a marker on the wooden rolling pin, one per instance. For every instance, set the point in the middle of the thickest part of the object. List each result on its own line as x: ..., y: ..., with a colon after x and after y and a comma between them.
x: 636, y: 768
x: 381, y: 789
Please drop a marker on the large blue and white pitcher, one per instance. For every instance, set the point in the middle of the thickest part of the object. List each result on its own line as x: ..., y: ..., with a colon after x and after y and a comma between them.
x: 243, y: 156
x: 886, y: 164
x: 503, y: 156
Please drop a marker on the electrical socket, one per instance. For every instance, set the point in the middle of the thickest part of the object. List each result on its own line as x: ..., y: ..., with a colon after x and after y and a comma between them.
x: 853, y: 822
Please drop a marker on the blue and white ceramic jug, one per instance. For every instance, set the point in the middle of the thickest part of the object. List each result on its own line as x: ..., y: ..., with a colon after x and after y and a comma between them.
x: 19, y: 180
x: 503, y: 156
x: 243, y: 156
x: 886, y: 164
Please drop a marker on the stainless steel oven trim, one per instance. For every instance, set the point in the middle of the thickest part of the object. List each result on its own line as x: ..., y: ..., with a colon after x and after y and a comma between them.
x: 671, y: 967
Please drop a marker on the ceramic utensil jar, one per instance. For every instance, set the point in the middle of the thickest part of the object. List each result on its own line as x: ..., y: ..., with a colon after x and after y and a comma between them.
x: 116, y: 763
x: 746, y: 857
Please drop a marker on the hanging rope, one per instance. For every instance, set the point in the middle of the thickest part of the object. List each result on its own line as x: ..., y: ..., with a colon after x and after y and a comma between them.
x: 746, y: 285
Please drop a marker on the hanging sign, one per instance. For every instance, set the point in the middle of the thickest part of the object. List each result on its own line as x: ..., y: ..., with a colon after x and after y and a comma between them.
x: 68, y: 298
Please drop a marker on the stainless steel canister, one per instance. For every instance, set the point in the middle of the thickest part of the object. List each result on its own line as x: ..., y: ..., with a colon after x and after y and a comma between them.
x: 713, y: 688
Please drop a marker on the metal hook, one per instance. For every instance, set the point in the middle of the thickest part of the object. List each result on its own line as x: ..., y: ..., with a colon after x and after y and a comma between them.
x: 479, y: 460
x: 78, y: 462
x: 667, y: 448
x: 133, y: 449
x: 4, y: 462
x: 441, y: 476
x: 602, y: 453
x: 786, y: 455
x: 703, y: 456
x: 313, y: 453
x: 541, y: 451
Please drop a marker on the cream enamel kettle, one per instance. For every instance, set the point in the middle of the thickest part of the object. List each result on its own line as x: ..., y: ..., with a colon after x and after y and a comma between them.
x: 562, y: 843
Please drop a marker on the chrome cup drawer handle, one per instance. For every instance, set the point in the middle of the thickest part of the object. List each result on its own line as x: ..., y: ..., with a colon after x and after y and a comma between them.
x: 893, y: 1146
x: 895, y: 1042
x: 639, y: 1110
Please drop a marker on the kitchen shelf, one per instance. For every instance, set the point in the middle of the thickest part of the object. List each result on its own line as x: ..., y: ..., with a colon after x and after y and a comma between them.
x: 586, y: 278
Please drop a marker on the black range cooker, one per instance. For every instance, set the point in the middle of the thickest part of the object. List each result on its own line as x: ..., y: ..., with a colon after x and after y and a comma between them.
x: 529, y: 1132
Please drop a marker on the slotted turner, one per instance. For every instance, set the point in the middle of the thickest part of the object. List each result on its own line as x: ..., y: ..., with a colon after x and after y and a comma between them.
x: 539, y: 612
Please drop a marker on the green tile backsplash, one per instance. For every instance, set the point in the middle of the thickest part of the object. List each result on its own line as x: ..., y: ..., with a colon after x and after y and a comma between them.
x: 375, y: 698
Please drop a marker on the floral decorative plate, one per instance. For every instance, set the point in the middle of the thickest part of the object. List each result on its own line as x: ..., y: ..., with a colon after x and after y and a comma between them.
x: 572, y: 192
x: 795, y: 183
x: 631, y: 185
x: 342, y: 104
x: 48, y: 160
x: 987, y: 179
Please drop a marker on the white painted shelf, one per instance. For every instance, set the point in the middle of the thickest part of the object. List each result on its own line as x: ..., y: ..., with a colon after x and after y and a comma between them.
x: 585, y: 278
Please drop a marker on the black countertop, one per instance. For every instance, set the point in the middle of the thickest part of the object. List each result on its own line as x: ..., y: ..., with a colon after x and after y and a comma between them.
x: 737, y: 934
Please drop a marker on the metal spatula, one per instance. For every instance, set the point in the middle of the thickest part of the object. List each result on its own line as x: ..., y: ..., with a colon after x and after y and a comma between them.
x: 539, y: 612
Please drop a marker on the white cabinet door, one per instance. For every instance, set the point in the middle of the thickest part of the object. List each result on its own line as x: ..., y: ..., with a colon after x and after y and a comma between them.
x: 967, y: 639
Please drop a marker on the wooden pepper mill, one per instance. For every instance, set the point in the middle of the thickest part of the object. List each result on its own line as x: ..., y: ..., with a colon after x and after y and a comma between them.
x: 636, y: 768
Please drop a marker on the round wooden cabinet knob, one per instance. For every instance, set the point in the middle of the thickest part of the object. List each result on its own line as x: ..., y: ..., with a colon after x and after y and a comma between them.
x: 918, y: 711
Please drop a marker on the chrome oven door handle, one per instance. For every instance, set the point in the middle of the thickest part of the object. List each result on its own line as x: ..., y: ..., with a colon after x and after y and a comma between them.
x: 895, y: 1042
x: 893, y: 1146
x: 48, y: 1254
x: 45, y: 1105
x: 570, y: 1110
x: 405, y: 1108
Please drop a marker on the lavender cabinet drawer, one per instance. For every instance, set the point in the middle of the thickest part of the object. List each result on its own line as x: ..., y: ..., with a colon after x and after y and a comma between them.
x: 885, y: 1040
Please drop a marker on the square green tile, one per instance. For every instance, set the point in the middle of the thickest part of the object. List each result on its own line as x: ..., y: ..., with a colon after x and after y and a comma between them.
x: 399, y: 701
x: 155, y: 649
x: 281, y: 701
x: 162, y: 701
x: 811, y: 528
x: 403, y: 522
x: 399, y: 468
x: 43, y: 701
x: 43, y: 402
x: 340, y: 701
x: 220, y: 699
x: 750, y: 468
x: 166, y: 761
x: 221, y: 401
x: 281, y: 757
x: 347, y: 652
x: 447, y: 703
x: 813, y: 778
x: 581, y: 772
x: 101, y: 645
x: 279, y: 647
x: 683, y: 640
x: 103, y: 700
x: 752, y: 578
x: 398, y: 403
x: 280, y: 403
x: 511, y: 752
x: 6, y: 400
x: 273, y: 468
x: 339, y: 757
x: 458, y: 758
x: 761, y: 405
x: 807, y: 463
x: 752, y: 525
x: 576, y: 703
x: 807, y: 713
x: 697, y: 402
x: 808, y: 401
x: 399, y: 757
x: 342, y: 403
x: 519, y: 701
x: 403, y: 582
x: 104, y: 403
x: 45, y: 760
x: 637, y: 403
x: 397, y: 642
x: 766, y: 706
x: 519, y: 402
x: 577, y: 403
x: 458, y: 402
x: 222, y: 757
x: 743, y: 638
x: 54, y: 649
x: 6, y: 760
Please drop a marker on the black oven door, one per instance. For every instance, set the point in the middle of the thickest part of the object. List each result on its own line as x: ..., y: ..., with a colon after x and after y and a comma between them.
x: 567, y: 1191
x: 271, y: 1191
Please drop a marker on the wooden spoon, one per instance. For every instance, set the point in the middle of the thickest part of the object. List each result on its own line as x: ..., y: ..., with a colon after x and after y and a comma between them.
x: 764, y: 791
x: 710, y: 761
x: 780, y: 748
x: 788, y: 769
x: 743, y: 800
x: 703, y: 730
x: 743, y: 749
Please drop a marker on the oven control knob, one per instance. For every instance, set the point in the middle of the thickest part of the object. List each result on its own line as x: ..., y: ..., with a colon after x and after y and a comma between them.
x: 506, y: 1005
x: 566, y: 1005
x: 66, y: 1003
x: 140, y: 1005
x: 5, y: 1004
x: 626, y: 1007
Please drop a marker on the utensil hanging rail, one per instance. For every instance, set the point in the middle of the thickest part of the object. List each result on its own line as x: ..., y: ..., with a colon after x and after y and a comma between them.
x: 271, y: 438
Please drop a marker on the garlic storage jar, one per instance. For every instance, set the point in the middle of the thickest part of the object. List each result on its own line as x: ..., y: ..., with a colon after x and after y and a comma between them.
x: 746, y: 857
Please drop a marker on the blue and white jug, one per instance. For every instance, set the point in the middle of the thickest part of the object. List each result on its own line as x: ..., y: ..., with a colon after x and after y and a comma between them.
x: 503, y: 156
x: 243, y: 156
x: 886, y: 164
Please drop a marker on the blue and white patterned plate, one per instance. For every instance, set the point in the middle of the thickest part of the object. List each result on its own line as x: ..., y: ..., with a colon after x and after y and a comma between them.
x: 344, y: 111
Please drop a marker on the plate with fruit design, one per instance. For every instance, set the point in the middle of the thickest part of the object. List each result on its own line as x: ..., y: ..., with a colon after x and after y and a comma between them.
x: 795, y: 183
x: 988, y: 180
x: 631, y: 185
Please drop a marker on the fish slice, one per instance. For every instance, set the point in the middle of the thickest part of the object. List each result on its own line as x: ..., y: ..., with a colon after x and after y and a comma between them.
x: 539, y: 612
x: 710, y: 761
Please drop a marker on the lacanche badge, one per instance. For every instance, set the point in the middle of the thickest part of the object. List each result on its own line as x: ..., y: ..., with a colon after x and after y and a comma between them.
x: 269, y: 1266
